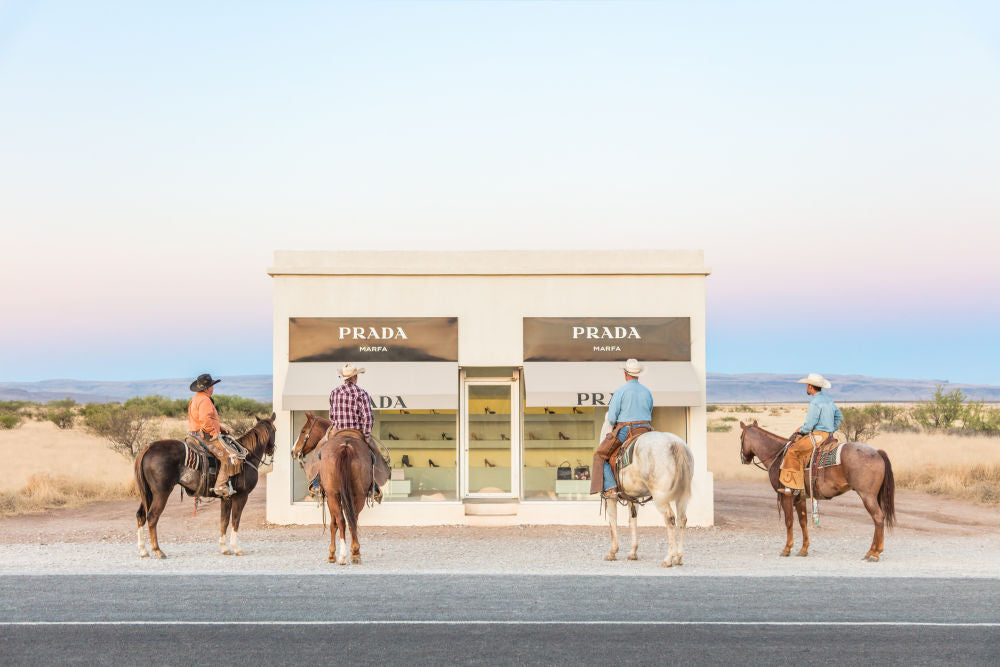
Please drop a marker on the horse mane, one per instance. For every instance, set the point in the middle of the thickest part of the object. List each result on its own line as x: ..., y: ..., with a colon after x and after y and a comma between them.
x: 258, y: 435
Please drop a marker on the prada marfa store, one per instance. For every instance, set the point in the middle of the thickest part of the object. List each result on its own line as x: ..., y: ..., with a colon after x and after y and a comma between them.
x: 489, y: 373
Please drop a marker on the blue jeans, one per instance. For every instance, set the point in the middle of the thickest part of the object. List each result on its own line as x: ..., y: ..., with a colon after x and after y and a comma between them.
x: 609, y: 475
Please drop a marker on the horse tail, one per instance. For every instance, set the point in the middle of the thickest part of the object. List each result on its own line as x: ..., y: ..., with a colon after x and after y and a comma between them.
x: 145, y: 493
x: 684, y: 465
x: 887, y: 492
x: 344, y: 458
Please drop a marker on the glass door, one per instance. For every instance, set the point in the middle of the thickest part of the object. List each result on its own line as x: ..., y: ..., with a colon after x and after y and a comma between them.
x: 490, y: 439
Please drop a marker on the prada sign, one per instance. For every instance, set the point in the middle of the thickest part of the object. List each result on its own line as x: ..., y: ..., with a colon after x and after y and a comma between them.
x: 607, y: 338
x: 360, y: 339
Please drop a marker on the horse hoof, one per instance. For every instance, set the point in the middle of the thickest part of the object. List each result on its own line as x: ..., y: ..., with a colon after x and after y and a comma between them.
x: 226, y: 552
x: 143, y: 554
x: 677, y: 560
x: 159, y: 554
x: 785, y: 554
x: 633, y: 557
x: 666, y: 563
x: 331, y: 559
x: 871, y: 558
x: 238, y: 553
x: 610, y: 557
x: 356, y: 560
x: 802, y: 554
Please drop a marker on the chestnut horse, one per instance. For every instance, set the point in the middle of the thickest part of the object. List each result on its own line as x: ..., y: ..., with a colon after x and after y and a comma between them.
x: 158, y: 470
x: 345, y: 475
x: 866, y: 469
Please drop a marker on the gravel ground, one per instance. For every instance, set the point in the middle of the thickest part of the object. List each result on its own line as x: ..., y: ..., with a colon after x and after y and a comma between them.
x: 935, y: 537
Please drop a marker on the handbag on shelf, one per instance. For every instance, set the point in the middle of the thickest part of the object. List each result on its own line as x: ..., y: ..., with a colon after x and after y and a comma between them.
x: 581, y: 472
x: 564, y: 471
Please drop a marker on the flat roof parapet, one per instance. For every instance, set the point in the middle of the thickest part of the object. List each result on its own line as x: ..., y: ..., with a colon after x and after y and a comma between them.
x: 488, y: 262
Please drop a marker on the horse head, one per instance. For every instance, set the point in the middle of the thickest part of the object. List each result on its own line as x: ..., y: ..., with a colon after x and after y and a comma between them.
x: 746, y: 451
x: 271, y: 433
x: 310, y: 436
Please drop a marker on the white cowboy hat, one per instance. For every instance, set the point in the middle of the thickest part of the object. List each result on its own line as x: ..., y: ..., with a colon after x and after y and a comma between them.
x: 349, y: 371
x: 632, y: 367
x: 816, y: 380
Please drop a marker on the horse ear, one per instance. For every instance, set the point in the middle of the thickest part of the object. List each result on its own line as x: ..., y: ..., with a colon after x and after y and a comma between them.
x: 308, y: 414
x: 743, y: 426
x: 754, y: 422
x: 272, y: 418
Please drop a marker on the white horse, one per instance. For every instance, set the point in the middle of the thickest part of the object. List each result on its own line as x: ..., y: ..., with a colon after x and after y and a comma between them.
x: 662, y: 467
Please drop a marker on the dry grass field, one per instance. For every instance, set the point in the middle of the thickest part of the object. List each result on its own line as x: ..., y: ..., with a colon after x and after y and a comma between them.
x: 959, y: 466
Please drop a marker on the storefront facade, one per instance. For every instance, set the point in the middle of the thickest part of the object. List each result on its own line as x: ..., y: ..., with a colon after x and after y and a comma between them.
x: 489, y: 373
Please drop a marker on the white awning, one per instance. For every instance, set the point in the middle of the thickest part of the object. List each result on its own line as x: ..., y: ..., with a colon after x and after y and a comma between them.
x: 391, y: 385
x: 560, y: 384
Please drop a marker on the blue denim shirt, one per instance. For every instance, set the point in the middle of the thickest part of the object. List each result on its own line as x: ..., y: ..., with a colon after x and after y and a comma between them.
x: 631, y: 402
x: 823, y: 415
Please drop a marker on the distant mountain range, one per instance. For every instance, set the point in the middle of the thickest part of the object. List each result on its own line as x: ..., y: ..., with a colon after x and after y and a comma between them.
x: 745, y: 388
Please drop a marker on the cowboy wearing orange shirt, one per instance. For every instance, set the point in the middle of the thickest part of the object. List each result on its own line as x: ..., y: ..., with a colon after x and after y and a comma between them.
x: 203, y: 423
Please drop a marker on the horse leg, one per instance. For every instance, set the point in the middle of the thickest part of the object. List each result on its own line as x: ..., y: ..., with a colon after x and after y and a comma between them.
x: 227, y: 509
x: 153, y: 517
x: 800, y: 509
x: 682, y: 522
x: 878, y: 541
x: 671, y: 520
x: 342, y: 541
x: 140, y: 517
x: 633, y: 523
x: 334, y: 508
x: 786, y: 508
x: 239, y: 502
x: 612, y: 514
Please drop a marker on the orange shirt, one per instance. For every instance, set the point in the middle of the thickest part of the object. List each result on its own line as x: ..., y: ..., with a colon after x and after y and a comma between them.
x: 202, y: 415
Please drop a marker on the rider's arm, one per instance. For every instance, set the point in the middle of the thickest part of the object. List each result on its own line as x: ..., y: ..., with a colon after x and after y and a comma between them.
x: 838, y: 417
x: 365, y: 412
x: 812, y: 418
x: 614, y: 407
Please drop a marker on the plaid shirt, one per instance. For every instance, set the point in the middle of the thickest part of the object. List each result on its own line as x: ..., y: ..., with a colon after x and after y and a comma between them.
x: 350, y: 408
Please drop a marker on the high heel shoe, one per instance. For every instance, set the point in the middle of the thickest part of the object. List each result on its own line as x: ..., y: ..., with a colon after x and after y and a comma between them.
x: 405, y: 461
x: 488, y: 464
x: 421, y: 436
x: 487, y: 411
x: 432, y: 464
x: 562, y: 437
x: 503, y: 436
x: 549, y: 412
x: 577, y: 411
x: 445, y: 436
x: 548, y: 465
x: 532, y: 436
x: 473, y: 436
x: 404, y: 412
x: 390, y: 436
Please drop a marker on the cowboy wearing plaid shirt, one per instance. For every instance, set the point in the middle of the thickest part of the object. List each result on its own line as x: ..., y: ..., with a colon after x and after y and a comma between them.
x: 351, y: 415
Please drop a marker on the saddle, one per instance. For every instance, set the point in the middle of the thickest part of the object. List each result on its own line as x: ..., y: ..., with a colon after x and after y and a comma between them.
x: 826, y: 467
x: 201, y: 467
x: 622, y: 457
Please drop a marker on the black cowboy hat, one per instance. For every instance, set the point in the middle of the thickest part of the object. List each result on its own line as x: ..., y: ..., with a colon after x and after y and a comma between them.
x: 203, y: 382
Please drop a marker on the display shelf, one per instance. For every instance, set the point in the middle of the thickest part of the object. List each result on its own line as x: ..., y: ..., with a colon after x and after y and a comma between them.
x: 412, y: 419
x: 560, y: 444
x: 418, y: 444
x: 559, y: 418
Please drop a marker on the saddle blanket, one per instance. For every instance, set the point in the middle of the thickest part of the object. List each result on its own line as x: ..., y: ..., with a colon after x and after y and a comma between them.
x: 828, y: 456
x: 626, y: 454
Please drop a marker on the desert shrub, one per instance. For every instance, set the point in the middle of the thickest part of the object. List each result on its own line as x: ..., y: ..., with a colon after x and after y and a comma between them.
x: 44, y: 491
x: 229, y: 403
x: 239, y: 422
x: 61, y: 403
x: 977, y: 418
x: 711, y: 408
x: 979, y: 483
x: 729, y: 419
x: 720, y: 428
x: 747, y: 408
x: 888, y: 415
x: 61, y: 417
x: 10, y: 407
x: 860, y: 424
x: 156, y: 405
x: 942, y: 411
x: 126, y: 429
x: 9, y: 421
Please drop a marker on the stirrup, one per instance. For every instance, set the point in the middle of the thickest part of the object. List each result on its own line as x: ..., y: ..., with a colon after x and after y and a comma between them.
x: 227, y: 492
x: 611, y: 493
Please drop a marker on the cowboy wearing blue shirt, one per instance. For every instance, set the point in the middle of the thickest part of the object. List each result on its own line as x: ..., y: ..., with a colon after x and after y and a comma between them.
x: 632, y: 407
x: 822, y: 419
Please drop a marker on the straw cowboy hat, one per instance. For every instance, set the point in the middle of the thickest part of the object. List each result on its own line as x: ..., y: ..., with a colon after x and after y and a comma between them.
x: 632, y: 367
x: 349, y: 371
x: 203, y: 382
x: 816, y: 380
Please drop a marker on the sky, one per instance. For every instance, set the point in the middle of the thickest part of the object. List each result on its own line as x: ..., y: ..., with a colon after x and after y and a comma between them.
x: 838, y: 162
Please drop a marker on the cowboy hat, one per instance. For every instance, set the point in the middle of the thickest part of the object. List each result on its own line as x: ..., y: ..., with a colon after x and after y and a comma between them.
x: 203, y: 382
x: 349, y: 371
x: 632, y: 367
x: 816, y: 380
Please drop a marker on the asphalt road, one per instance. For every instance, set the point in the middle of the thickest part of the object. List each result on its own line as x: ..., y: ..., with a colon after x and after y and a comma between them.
x: 426, y: 619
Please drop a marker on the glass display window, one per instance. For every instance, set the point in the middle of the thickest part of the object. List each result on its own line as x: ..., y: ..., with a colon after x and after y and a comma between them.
x: 424, y: 449
x: 559, y: 445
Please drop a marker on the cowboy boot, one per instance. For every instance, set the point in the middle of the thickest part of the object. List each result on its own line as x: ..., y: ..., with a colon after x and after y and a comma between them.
x: 223, y: 488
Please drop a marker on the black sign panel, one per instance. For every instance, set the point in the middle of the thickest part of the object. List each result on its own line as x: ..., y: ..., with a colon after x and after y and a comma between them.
x: 607, y: 338
x: 358, y: 339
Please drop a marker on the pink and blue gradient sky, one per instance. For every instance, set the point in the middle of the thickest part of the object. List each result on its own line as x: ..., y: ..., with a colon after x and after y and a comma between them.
x: 839, y: 163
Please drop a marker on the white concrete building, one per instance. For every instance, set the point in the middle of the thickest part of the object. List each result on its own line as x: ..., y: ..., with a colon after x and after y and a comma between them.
x: 489, y: 373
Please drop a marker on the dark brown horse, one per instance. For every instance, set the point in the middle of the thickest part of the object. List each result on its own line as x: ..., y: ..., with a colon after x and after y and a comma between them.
x: 345, y: 475
x: 867, y: 470
x: 158, y: 469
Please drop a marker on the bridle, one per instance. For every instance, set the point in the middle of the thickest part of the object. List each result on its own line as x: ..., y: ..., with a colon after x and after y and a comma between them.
x: 308, y: 434
x: 754, y: 459
x: 263, y: 460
